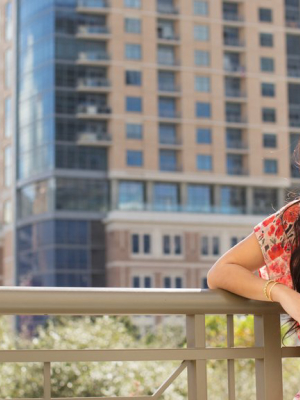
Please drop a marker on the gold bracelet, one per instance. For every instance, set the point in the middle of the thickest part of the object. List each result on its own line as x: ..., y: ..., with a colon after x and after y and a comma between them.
x: 265, y: 288
x: 271, y: 289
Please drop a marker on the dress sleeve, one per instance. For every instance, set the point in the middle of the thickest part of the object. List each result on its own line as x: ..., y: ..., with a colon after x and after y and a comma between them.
x: 275, y: 237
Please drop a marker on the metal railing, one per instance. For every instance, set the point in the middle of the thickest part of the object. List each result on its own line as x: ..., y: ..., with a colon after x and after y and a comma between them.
x: 93, y: 82
x: 92, y: 109
x: 165, y: 113
x: 168, y: 87
x: 232, y: 41
x: 173, y: 141
x: 164, y: 59
x: 193, y: 303
x: 237, y: 171
x: 93, y: 3
x: 93, y: 29
x: 231, y: 117
x: 166, y: 9
x: 236, y: 144
x: 230, y: 16
x: 92, y: 137
x: 187, y: 208
x: 232, y: 92
x: 232, y: 67
x: 93, y: 56
x: 161, y: 34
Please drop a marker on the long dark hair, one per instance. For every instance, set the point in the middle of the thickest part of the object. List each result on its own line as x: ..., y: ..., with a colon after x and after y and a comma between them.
x: 294, y: 262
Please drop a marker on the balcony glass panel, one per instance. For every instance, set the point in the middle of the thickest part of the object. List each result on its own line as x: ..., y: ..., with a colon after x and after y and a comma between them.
x: 166, y: 81
x: 167, y: 108
x: 166, y: 30
x: 199, y: 198
x: 233, y: 200
x: 131, y: 195
x: 165, y: 197
x: 235, y: 164
x: 93, y: 3
x: 264, y: 200
x: 167, y: 134
x: 166, y: 55
x: 168, y: 160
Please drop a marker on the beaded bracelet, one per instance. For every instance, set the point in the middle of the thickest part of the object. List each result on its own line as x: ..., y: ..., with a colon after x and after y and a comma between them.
x: 265, y: 288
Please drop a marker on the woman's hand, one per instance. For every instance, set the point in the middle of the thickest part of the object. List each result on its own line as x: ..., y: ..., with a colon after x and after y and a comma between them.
x: 289, y: 300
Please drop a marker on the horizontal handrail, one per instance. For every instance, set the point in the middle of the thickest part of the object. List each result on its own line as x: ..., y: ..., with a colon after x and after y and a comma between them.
x: 21, y: 300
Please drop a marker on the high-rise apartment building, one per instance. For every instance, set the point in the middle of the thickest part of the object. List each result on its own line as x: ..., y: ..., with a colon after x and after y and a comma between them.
x: 141, y: 139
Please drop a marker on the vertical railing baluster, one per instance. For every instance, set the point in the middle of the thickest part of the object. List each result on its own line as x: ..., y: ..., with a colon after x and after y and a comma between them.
x: 47, y: 381
x: 230, y: 363
x: 197, y: 374
x: 268, y: 370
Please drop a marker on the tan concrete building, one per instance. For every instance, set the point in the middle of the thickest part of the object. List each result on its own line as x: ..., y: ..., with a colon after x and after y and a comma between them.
x: 150, y: 135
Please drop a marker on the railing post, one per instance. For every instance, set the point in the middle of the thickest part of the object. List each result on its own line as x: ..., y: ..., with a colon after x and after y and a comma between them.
x: 268, y: 370
x: 230, y: 362
x: 197, y: 374
x: 47, y: 381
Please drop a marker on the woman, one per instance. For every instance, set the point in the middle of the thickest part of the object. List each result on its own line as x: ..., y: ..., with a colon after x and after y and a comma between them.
x: 273, y: 248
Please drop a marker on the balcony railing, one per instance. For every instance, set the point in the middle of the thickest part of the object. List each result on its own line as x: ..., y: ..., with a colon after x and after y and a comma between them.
x: 164, y: 113
x: 168, y: 87
x: 235, y: 42
x: 236, y: 144
x: 93, y: 109
x: 91, y: 137
x: 234, y: 68
x: 188, y: 208
x: 292, y: 17
x: 164, y: 59
x: 230, y: 16
x: 161, y: 34
x: 294, y: 116
x: 237, y: 171
x: 167, y: 9
x: 194, y: 304
x: 235, y: 118
x: 93, y: 3
x: 93, y: 29
x: 170, y: 167
x: 232, y: 92
x: 93, y: 82
x: 173, y: 141
x: 93, y: 56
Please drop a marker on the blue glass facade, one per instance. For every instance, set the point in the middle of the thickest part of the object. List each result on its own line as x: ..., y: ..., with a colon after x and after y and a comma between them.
x: 57, y: 177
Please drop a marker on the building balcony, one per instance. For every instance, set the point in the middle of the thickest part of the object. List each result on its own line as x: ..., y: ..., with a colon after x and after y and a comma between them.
x: 292, y: 17
x: 168, y: 61
x: 93, y: 56
x: 168, y: 87
x: 235, y: 68
x: 92, y: 31
x: 167, y: 9
x: 93, y: 84
x: 169, y: 167
x: 169, y: 114
x: 170, y: 142
x: 235, y: 93
x: 93, y: 109
x: 294, y: 116
x: 93, y: 4
x: 235, y: 118
x: 236, y: 145
x: 167, y: 36
x: 94, y: 139
x: 193, y: 305
x: 230, y: 16
x: 237, y: 171
x: 233, y: 42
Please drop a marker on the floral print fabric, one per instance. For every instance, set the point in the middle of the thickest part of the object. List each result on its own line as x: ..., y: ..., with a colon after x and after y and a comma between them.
x: 277, y: 241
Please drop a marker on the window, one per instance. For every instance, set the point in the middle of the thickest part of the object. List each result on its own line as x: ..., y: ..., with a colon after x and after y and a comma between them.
x: 203, y: 110
x: 165, y: 197
x: 210, y: 245
x: 138, y: 281
x: 268, y: 89
x: 135, y: 244
x: 138, y: 239
x: 204, y: 162
x: 172, y: 282
x: 7, y: 166
x: 8, y: 68
x: 233, y: 241
x: 133, y: 51
x: 134, y: 131
x: 132, y: 3
x: 134, y: 158
x: 201, y: 33
x: 202, y: 58
x: 7, y: 116
x: 8, y: 21
x: 131, y: 195
x: 204, y: 283
x: 133, y: 25
x: 200, y: 198
x: 204, y: 135
x: 167, y: 160
x: 172, y: 244
x: 266, y: 39
x: 167, y: 282
x: 202, y: 84
x: 267, y: 64
x: 270, y: 166
x: 200, y: 7
x: 269, y: 140
x: 265, y: 15
x: 7, y: 212
x: 133, y: 104
x: 167, y: 134
x: 133, y: 78
x: 167, y: 107
x: 269, y: 115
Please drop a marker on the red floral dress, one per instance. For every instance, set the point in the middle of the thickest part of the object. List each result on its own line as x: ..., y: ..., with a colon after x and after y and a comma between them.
x: 277, y: 240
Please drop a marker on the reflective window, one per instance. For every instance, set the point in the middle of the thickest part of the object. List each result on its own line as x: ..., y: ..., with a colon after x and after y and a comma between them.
x: 266, y: 39
x: 201, y: 33
x: 167, y: 134
x: 269, y: 115
x: 265, y: 14
x: 200, y: 7
x: 233, y: 199
x: 204, y: 162
x: 70, y: 156
x: 269, y: 140
x: 134, y: 78
x: 204, y: 135
x: 135, y: 243
x: 268, y: 89
x: 166, y: 196
x: 134, y: 158
x: 36, y: 198
x: 132, y: 3
x: 270, y: 166
x: 8, y: 117
x: 8, y: 21
x: 7, y: 166
x: 202, y: 84
x: 131, y: 195
x: 167, y: 160
x: 133, y: 51
x: 8, y: 68
x: 133, y: 25
x: 134, y: 104
x: 134, y: 131
x: 264, y: 200
x: 202, y: 58
x: 203, y: 110
x: 167, y: 107
x: 267, y: 64
x: 199, y: 198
